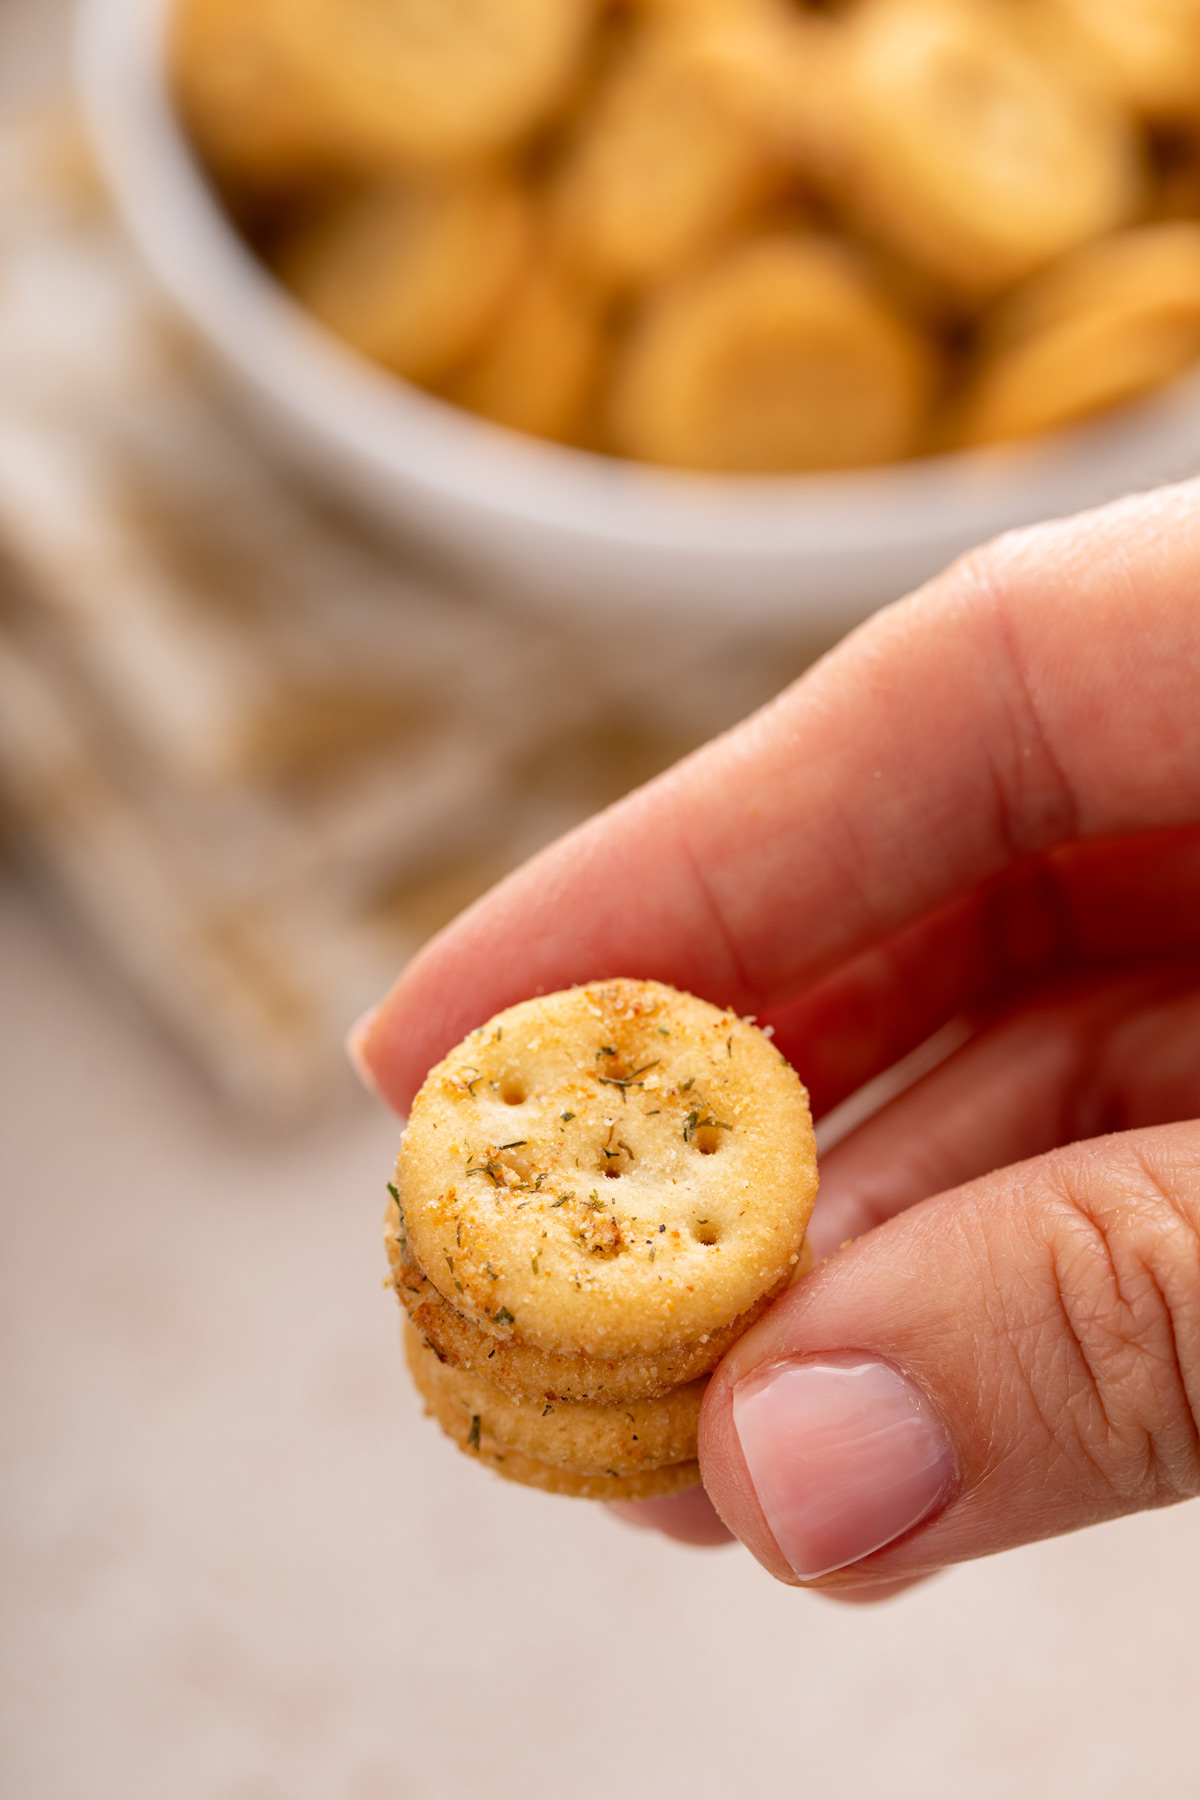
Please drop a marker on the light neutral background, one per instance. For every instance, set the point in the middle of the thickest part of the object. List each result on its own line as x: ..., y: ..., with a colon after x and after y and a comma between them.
x: 238, y: 1565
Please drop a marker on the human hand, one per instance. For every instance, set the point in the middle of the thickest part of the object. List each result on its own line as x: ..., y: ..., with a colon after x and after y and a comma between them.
x: 984, y: 805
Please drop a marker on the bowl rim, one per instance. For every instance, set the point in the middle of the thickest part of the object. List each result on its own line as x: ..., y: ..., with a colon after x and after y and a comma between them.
x: 406, y: 437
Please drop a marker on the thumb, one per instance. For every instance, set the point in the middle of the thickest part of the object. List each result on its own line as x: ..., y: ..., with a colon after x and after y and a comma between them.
x: 1011, y: 1360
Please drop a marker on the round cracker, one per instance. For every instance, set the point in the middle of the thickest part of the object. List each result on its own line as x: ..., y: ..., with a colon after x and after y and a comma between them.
x: 613, y: 1170
x: 466, y: 1430
x: 527, y: 1373
x: 582, y: 1437
x: 1101, y: 328
x: 781, y: 356
x: 412, y: 273
x: 973, y: 153
x: 1146, y: 52
x: 667, y: 160
x: 253, y: 115
x: 537, y: 370
x: 425, y: 82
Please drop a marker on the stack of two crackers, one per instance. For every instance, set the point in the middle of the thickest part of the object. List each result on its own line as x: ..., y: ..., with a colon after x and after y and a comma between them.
x: 596, y: 1194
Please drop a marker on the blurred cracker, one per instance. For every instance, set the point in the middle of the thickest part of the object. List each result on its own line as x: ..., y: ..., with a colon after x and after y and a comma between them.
x: 412, y: 273
x: 665, y: 162
x: 780, y: 356
x: 1103, y: 327
x: 410, y: 84
x: 973, y: 153
x: 537, y: 371
x: 251, y: 107
x: 1145, y: 53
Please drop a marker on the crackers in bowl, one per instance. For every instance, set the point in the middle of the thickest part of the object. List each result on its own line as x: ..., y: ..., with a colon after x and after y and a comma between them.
x: 596, y: 1193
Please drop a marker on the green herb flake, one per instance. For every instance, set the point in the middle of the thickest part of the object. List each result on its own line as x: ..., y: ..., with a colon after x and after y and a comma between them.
x: 517, y: 1144
x: 473, y: 1434
x: 567, y: 1117
x: 627, y: 1081
x: 663, y: 1032
x: 502, y: 1316
x: 394, y: 1191
x: 534, y: 1262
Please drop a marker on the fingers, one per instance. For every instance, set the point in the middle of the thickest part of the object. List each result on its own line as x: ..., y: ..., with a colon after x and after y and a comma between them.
x: 988, y: 719
x: 1083, y: 905
x: 1011, y: 1360
x: 1102, y: 1055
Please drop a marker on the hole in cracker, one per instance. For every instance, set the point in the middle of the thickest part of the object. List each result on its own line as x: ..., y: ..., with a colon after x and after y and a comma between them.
x: 611, y: 1172
x: 512, y: 1090
x: 708, y: 1139
x: 705, y: 1232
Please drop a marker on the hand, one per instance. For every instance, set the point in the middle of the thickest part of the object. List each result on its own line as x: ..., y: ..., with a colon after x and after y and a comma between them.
x: 984, y: 805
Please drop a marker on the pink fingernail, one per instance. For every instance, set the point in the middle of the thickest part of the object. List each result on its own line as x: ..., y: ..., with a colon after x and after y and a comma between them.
x: 356, y: 1039
x: 845, y: 1454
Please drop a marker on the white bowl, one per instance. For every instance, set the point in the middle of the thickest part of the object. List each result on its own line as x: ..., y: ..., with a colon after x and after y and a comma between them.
x: 557, y: 526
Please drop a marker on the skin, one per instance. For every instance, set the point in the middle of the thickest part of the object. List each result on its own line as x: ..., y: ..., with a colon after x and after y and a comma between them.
x: 983, y: 805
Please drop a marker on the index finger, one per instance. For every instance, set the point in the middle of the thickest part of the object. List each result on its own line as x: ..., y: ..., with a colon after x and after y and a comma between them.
x: 1041, y: 691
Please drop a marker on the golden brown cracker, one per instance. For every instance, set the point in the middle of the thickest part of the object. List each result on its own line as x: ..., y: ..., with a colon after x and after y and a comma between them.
x: 466, y: 1429
x: 527, y: 1373
x: 538, y: 369
x: 412, y: 273
x: 665, y: 162
x: 614, y: 1170
x: 421, y: 83
x: 254, y: 115
x: 583, y: 1437
x: 974, y: 154
x: 780, y: 356
x: 1101, y: 328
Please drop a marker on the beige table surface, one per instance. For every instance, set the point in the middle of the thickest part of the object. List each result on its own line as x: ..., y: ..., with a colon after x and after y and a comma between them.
x: 239, y: 1565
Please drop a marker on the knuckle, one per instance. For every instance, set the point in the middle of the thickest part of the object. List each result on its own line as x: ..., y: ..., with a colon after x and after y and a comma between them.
x: 1123, y: 1237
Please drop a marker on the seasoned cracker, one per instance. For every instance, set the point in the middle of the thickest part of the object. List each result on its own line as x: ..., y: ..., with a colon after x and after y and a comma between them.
x: 527, y: 1373
x: 586, y: 1439
x: 780, y: 356
x: 420, y: 84
x: 1111, y: 323
x: 254, y: 115
x: 973, y: 153
x: 538, y: 368
x: 614, y: 1170
x: 412, y: 273
x: 667, y: 161
x: 467, y: 1430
